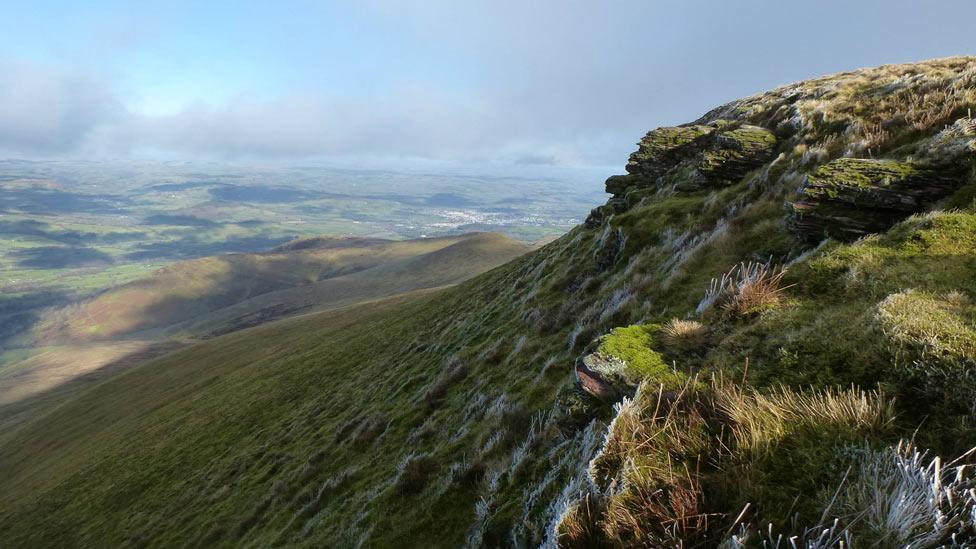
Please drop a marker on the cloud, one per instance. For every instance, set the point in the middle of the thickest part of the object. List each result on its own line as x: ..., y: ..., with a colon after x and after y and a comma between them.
x: 544, y: 83
x: 51, y: 110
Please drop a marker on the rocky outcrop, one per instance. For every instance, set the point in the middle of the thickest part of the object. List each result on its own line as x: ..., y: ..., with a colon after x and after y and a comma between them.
x: 848, y: 198
x: 690, y: 158
x: 714, y: 155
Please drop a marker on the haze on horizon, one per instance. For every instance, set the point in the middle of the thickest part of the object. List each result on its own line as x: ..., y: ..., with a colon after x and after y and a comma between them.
x: 506, y: 83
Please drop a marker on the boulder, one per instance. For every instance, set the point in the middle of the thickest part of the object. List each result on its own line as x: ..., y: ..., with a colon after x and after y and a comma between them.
x: 589, y: 378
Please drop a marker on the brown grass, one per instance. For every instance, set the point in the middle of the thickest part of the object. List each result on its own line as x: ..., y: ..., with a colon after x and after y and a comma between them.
x: 683, y: 335
x: 650, y: 477
x: 747, y: 289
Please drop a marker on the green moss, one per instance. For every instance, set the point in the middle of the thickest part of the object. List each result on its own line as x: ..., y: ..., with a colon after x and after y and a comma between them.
x: 752, y: 136
x: 857, y: 173
x: 666, y: 138
x: 634, y: 346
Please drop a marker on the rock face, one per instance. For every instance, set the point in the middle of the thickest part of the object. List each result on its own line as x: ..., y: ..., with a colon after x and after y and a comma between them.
x: 690, y: 158
x: 848, y: 198
x: 699, y: 156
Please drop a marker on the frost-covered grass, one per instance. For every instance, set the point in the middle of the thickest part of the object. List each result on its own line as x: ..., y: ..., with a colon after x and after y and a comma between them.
x: 896, y: 496
x: 670, y: 457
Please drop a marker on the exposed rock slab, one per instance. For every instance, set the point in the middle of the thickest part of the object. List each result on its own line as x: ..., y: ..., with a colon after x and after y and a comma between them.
x: 690, y: 158
x: 850, y: 197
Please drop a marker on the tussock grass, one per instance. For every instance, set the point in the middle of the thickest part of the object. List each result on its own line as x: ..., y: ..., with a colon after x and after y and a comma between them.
x: 747, y: 288
x: 453, y: 372
x: 683, y: 335
x: 414, y: 472
x: 666, y: 454
x: 759, y: 420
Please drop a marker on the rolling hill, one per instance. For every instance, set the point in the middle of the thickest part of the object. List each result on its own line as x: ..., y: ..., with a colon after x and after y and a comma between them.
x: 220, y: 294
x: 186, y: 290
x: 767, y: 333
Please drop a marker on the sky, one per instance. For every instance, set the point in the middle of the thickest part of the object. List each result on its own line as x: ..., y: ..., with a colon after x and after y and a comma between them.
x: 565, y: 83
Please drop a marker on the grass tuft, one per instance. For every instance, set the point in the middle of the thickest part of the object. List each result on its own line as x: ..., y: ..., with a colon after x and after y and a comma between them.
x: 683, y: 335
x: 414, y: 473
x: 746, y: 289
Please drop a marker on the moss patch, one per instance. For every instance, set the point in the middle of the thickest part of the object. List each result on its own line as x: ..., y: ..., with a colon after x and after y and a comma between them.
x: 634, y: 346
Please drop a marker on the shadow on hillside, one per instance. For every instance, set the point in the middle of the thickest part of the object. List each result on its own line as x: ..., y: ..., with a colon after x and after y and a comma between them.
x: 265, y: 195
x: 12, y: 412
x: 53, y: 202
x: 40, y: 229
x: 30, y: 227
x: 176, y: 187
x: 60, y: 257
x: 21, y: 312
x: 180, y: 220
x: 191, y: 246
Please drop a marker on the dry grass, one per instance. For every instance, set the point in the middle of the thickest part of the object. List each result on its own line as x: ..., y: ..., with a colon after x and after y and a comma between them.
x: 650, y: 479
x: 683, y: 335
x: 746, y: 289
x: 759, y: 420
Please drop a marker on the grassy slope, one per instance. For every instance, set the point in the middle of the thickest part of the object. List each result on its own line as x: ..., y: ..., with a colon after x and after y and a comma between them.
x: 444, y: 266
x: 188, y: 289
x: 453, y: 411
x: 224, y: 293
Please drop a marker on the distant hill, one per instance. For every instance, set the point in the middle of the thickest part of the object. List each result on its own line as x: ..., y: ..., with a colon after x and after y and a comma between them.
x: 447, y: 265
x: 215, y: 295
x: 289, y: 277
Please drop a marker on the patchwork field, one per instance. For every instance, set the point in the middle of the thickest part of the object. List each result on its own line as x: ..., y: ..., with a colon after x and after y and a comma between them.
x: 70, y: 230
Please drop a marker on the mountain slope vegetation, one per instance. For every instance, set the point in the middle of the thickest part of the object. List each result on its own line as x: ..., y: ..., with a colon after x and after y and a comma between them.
x: 767, y: 333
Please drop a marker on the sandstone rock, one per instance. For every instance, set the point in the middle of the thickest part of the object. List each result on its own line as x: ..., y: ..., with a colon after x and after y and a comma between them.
x: 619, y: 184
x: 814, y: 221
x: 870, y: 183
x: 693, y: 157
x: 736, y: 153
x: 663, y: 148
x: 596, y: 217
x: 850, y: 197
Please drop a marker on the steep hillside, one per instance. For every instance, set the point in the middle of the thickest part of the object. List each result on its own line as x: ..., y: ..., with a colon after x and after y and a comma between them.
x: 729, y: 350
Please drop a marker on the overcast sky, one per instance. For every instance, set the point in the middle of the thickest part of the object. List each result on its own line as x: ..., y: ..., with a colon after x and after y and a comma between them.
x: 565, y: 83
